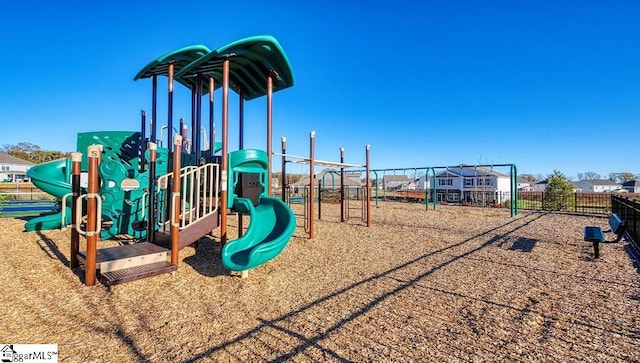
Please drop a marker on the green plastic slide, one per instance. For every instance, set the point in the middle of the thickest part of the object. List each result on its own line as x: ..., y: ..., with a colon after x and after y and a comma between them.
x: 53, y: 178
x: 270, y: 229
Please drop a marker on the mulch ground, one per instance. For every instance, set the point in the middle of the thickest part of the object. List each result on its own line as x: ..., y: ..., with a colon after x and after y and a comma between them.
x: 454, y: 284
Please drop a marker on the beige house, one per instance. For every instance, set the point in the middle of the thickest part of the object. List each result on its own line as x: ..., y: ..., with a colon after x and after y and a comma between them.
x: 13, y: 169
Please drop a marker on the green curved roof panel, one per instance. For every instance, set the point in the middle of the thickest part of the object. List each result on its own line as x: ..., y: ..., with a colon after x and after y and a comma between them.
x: 180, y: 58
x: 252, y: 60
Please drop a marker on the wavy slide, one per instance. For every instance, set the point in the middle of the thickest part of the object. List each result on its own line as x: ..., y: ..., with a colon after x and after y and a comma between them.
x: 270, y: 229
x: 53, y: 178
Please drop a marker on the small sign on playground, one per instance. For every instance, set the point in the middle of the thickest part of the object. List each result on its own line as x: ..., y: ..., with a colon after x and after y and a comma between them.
x: 129, y: 184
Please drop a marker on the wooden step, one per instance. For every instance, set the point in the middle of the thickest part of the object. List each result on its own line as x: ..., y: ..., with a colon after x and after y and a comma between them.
x: 122, y: 257
x: 136, y: 273
x: 192, y: 233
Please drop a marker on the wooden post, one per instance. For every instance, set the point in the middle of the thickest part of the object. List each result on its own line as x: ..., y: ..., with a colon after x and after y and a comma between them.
x: 175, y: 200
x: 93, y: 154
x: 76, y: 160
x: 312, y: 143
x: 170, y: 72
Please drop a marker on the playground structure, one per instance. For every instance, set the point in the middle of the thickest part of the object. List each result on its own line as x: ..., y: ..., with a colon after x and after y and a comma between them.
x: 309, y: 194
x: 169, y: 198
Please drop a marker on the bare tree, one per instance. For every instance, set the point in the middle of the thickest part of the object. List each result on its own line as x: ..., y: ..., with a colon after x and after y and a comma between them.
x: 589, y: 175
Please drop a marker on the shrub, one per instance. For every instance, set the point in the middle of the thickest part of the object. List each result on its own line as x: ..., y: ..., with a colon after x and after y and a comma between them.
x: 559, y: 193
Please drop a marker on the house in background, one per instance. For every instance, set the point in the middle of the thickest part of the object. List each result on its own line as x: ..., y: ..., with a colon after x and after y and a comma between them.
x: 423, y: 183
x: 472, y: 184
x: 598, y: 185
x: 525, y: 185
x: 13, y: 169
x: 632, y: 186
x: 330, y: 178
x: 395, y: 182
x: 540, y: 186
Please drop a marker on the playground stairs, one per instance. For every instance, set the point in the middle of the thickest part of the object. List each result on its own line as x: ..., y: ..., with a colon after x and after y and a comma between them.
x: 190, y: 234
x: 126, y: 263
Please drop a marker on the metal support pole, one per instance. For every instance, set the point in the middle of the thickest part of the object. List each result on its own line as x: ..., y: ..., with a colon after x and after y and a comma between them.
x: 143, y: 132
x: 284, y: 168
x: 193, y: 118
x: 241, y: 147
x: 197, y: 139
x: 225, y: 152
x: 93, y: 154
x: 269, y: 131
x: 76, y: 161
x: 151, y: 219
x: 154, y: 104
x: 212, y: 125
x: 368, y: 190
x: 342, y: 219
x: 312, y: 143
x: 175, y: 200
x: 319, y: 200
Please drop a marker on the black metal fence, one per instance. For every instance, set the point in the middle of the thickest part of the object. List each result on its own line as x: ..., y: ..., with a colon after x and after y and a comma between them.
x: 589, y: 203
x: 584, y: 203
x: 629, y: 210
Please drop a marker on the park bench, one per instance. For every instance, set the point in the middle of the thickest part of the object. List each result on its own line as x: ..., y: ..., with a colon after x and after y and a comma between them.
x: 595, y: 234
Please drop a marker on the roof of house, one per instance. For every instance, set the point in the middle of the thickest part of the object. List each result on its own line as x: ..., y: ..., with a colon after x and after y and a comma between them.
x: 471, y: 171
x: 10, y: 159
x: 522, y: 180
x: 399, y: 178
x: 631, y: 183
x: 350, y: 179
x: 600, y: 182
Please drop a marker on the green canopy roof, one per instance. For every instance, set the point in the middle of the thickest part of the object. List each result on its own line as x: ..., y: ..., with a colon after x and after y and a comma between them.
x: 180, y: 58
x: 252, y: 60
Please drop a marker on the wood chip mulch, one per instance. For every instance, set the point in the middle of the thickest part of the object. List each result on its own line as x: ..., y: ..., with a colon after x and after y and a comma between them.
x: 454, y: 284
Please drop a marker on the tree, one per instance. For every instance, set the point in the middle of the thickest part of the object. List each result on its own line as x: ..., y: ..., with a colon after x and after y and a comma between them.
x: 621, y: 177
x: 559, y: 193
x: 33, y: 153
x: 589, y: 175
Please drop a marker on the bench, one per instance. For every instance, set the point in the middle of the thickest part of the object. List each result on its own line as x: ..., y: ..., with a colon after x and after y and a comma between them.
x: 595, y: 234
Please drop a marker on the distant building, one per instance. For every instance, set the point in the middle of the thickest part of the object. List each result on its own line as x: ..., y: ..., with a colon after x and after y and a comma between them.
x: 13, y: 169
x: 423, y: 183
x: 525, y: 185
x: 472, y: 184
x: 540, y: 186
x: 598, y: 185
x: 330, y: 178
x: 632, y: 186
x: 395, y: 182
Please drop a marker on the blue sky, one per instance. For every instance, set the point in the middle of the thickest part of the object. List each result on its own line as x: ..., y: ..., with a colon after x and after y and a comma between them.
x: 542, y: 84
